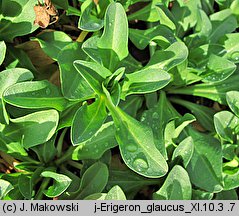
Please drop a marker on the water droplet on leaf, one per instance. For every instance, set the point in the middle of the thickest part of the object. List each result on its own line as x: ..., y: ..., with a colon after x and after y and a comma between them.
x: 131, y: 148
x: 235, y: 56
x: 155, y: 115
x: 140, y: 164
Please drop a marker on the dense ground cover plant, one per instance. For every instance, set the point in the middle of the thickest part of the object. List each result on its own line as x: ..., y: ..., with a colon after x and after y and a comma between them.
x: 119, y: 99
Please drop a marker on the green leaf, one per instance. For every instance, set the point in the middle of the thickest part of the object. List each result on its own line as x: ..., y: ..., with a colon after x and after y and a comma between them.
x: 61, y: 3
x: 87, y: 121
x: 175, y: 127
x: 145, y: 81
x: 129, y: 181
x: 231, y: 46
x: 213, y: 91
x: 204, y: 115
x: 96, y: 196
x: 203, y: 30
x: 234, y: 7
x: 61, y: 183
x: 35, y: 94
x: 218, y: 69
x: 166, y: 59
x: 223, y: 22
x: 8, y: 78
x: 226, y: 123
x: 5, y: 188
x: 46, y: 151
x: 199, y: 56
x: 231, y: 181
x: 27, y: 166
x: 93, y: 73
x: 67, y: 116
x: 184, y: 151
x: 113, y: 44
x: 201, y: 195
x: 115, y: 193
x: 142, y: 38
x: 95, y: 147
x: 93, y: 180
x: 3, y: 49
x: 130, y: 64
x: 232, y: 98
x: 207, y: 6
x: 90, y: 48
x: 186, y: 14
x: 17, y: 58
x: 88, y: 21
x: 131, y: 105
x: 73, y: 11
x: 177, y: 186
x: 33, y: 129
x: 73, y: 86
x: 52, y: 42
x: 12, y: 148
x: 229, y: 151
x: 227, y: 195
x: 16, y: 18
x: 157, y: 118
x: 205, y: 166
x: 137, y: 145
x: 25, y: 186
x: 149, y: 13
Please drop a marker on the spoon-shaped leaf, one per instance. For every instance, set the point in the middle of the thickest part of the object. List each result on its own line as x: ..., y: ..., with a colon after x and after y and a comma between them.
x: 35, y: 94
x: 93, y: 180
x: 61, y: 183
x: 5, y: 187
x: 137, y: 146
x: 7, y: 78
x: 33, y: 129
x: 113, y: 45
x: 177, y: 186
x: 87, y: 121
x: 115, y: 193
x: 94, y: 148
x: 145, y: 81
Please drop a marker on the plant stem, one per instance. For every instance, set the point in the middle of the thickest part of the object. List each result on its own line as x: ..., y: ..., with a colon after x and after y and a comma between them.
x: 60, y: 143
x: 66, y: 156
x: 43, y: 186
x: 82, y: 36
x: 75, y: 164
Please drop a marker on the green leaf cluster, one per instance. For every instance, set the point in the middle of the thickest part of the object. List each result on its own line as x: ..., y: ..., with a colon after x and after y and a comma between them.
x: 115, y: 124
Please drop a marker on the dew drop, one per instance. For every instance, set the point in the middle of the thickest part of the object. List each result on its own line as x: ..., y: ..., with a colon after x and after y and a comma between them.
x: 165, y: 68
x: 142, y: 119
x: 235, y: 56
x: 140, y: 164
x: 131, y: 148
x: 155, y: 115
